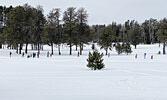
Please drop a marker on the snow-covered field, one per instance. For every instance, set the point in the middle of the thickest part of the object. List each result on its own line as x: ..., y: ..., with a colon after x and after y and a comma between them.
x: 67, y: 77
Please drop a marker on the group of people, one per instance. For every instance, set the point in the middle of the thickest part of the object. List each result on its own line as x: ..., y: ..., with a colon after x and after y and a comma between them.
x: 144, y: 56
x: 31, y: 55
x: 50, y: 55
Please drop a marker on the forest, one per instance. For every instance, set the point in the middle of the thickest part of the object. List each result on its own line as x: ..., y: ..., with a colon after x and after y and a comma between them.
x: 26, y: 25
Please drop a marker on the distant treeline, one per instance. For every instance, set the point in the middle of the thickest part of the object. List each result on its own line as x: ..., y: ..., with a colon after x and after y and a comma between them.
x: 24, y: 25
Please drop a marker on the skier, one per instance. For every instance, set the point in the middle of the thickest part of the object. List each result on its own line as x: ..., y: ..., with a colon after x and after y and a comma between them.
x: 152, y: 57
x: 48, y: 54
x: 78, y: 53
x: 38, y: 54
x: 144, y: 55
x: 108, y: 54
x: 10, y: 54
x: 34, y: 54
x: 23, y: 54
x: 136, y: 56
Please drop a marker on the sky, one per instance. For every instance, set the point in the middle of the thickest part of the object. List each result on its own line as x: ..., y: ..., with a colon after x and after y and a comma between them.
x: 104, y: 11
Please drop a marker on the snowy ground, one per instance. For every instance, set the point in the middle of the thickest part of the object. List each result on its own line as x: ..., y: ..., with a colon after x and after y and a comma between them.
x: 67, y: 77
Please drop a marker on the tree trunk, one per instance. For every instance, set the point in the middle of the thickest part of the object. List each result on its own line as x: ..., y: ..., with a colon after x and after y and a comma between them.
x: 32, y: 48
x: 42, y: 47
x: 70, y: 49
x: 26, y: 48
x: 38, y: 47
x: 17, y: 48
x: 80, y: 49
x: 0, y: 46
x: 76, y: 47
x: 164, y: 49
x: 106, y: 51
x: 52, y: 48
x: 20, y: 48
x: 135, y: 46
x: 94, y: 68
x: 59, y: 49
x: 82, y: 46
x: 159, y: 44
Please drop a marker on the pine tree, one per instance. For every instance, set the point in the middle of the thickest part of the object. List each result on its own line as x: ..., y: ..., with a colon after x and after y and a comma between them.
x: 95, y: 60
x: 119, y: 48
x: 106, y: 39
x: 127, y: 48
x: 70, y: 24
x: 53, y: 28
x: 135, y: 34
x: 162, y: 33
x: 83, y: 29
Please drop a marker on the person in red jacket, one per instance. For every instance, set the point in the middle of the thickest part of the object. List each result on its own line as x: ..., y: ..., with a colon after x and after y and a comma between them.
x: 136, y: 56
x: 38, y: 54
x: 78, y: 53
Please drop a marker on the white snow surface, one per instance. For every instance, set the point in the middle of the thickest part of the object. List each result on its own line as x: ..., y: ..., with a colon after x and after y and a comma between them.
x: 66, y: 77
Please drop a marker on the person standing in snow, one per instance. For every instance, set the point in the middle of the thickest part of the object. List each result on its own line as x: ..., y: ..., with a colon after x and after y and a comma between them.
x: 144, y: 55
x: 34, y: 55
x: 48, y: 54
x: 38, y: 54
x: 108, y: 54
x: 152, y: 57
x: 10, y: 54
x: 136, y: 56
x: 78, y: 53
x: 23, y: 54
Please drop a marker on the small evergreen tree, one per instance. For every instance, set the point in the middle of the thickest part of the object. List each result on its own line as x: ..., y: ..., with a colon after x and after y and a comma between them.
x: 118, y: 48
x: 123, y: 47
x: 127, y: 48
x: 95, y: 60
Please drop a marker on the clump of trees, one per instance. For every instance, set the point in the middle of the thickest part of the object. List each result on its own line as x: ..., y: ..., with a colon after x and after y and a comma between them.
x: 25, y: 25
x: 123, y: 48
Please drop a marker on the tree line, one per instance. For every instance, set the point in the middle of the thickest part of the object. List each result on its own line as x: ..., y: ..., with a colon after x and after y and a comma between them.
x: 26, y: 25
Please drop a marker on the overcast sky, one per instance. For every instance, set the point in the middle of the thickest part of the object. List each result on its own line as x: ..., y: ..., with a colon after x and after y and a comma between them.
x: 104, y: 11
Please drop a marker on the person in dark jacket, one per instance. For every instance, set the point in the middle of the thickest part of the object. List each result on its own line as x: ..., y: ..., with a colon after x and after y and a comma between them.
x: 23, y: 54
x: 34, y: 55
x: 10, y: 54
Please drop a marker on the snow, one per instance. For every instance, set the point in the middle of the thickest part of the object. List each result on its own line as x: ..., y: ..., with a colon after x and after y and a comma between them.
x: 67, y: 77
